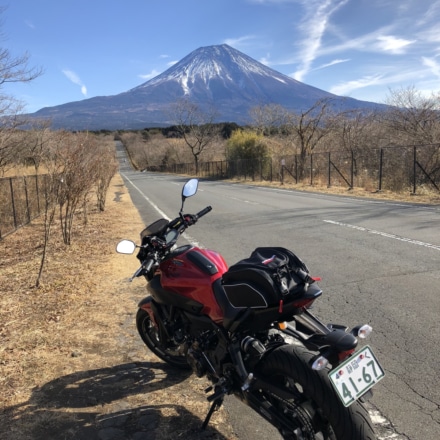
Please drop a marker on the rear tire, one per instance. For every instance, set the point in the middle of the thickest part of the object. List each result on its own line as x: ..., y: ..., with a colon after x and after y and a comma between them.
x: 167, y: 350
x: 322, y: 414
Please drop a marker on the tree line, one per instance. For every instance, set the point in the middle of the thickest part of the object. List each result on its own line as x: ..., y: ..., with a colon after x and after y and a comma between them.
x: 410, y: 118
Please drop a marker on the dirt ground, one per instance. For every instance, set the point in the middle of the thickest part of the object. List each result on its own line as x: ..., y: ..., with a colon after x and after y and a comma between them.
x: 71, y: 363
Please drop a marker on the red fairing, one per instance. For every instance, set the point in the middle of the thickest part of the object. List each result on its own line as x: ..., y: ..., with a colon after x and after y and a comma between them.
x: 181, y: 275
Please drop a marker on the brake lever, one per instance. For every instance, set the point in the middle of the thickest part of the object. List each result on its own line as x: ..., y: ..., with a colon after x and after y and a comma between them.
x: 138, y: 273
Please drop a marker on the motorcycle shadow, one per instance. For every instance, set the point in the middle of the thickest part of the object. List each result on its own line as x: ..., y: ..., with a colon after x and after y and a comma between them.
x: 107, y: 404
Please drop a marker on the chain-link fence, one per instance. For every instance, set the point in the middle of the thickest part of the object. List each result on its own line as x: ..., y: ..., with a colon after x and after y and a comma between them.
x: 399, y: 169
x: 21, y: 200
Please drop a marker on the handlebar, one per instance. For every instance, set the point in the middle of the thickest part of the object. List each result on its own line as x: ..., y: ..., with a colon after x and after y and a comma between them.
x: 188, y: 219
x: 204, y: 212
x: 154, y: 247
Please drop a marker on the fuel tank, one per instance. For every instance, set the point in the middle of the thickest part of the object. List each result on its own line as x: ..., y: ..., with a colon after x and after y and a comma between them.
x: 190, y: 273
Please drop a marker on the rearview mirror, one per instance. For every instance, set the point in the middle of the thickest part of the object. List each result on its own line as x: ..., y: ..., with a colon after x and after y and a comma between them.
x: 190, y: 188
x: 125, y: 247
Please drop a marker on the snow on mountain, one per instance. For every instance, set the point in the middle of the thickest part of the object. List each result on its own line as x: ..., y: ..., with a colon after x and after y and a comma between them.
x: 215, y: 76
x: 212, y: 63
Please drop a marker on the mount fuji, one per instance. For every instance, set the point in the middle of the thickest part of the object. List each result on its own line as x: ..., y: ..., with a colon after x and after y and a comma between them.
x: 218, y: 76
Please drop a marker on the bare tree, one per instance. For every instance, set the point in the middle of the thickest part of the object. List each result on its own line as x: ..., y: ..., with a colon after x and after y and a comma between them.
x: 270, y: 119
x: 78, y: 177
x: 12, y: 69
x: 412, y: 117
x: 308, y: 129
x: 10, y: 139
x: 35, y: 141
x: 52, y: 187
x: 104, y: 169
x: 195, y: 126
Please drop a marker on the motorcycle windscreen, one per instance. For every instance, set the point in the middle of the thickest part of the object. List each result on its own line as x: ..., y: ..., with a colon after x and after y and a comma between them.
x: 156, y: 228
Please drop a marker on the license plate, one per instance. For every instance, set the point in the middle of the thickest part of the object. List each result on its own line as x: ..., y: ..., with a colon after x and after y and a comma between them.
x: 356, y: 375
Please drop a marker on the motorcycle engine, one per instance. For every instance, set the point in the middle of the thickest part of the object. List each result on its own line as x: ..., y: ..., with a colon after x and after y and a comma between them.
x: 197, y: 361
x: 204, y: 356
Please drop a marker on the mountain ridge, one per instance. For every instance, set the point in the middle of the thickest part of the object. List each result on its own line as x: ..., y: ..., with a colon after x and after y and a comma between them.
x: 218, y: 76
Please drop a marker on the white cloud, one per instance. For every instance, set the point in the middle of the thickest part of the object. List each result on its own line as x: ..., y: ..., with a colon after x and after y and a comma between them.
x: 392, y: 77
x: 331, y: 63
x: 389, y: 43
x: 432, y: 64
x: 313, y: 27
x: 73, y: 77
x: 264, y: 61
x: 347, y: 87
x: 234, y: 42
x: 150, y: 75
x: 30, y: 25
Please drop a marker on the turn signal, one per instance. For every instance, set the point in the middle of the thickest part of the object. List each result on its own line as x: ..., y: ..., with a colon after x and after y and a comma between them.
x: 320, y: 363
x: 365, y: 331
x: 282, y: 325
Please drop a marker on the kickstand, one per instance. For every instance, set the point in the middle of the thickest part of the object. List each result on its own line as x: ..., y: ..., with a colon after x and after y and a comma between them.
x: 214, y: 407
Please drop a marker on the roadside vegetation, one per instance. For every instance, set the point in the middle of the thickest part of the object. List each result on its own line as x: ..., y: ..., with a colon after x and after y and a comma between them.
x: 394, y: 151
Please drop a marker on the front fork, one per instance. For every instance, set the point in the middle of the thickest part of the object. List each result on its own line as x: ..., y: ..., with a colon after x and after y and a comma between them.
x: 146, y: 305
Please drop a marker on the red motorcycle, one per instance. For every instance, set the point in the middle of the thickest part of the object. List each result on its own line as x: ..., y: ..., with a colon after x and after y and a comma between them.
x: 249, y: 329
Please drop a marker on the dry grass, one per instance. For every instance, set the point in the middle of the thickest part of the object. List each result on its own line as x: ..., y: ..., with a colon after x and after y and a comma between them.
x: 70, y: 358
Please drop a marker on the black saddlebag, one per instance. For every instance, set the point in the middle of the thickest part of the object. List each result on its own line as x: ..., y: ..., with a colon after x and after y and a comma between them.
x: 269, y: 276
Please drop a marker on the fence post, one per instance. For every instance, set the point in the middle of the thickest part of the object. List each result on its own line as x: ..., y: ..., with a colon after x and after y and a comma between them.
x: 380, y: 170
x: 283, y: 162
x: 296, y: 169
x: 38, y: 194
x: 414, y: 169
x: 352, y: 169
x: 13, y: 203
x: 311, y: 170
x: 329, y: 170
x: 28, y: 208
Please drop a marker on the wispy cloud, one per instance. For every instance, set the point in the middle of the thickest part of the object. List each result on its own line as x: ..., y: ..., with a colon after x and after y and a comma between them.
x: 346, y: 88
x: 331, y: 63
x: 392, y: 44
x: 387, y: 78
x: 150, y: 75
x: 72, y: 76
x: 240, y: 41
x: 432, y: 64
x: 265, y: 60
x: 313, y: 27
x: 29, y: 24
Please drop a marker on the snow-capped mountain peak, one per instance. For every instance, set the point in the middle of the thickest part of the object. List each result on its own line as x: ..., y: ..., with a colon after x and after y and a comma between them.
x: 214, y: 63
x: 218, y: 77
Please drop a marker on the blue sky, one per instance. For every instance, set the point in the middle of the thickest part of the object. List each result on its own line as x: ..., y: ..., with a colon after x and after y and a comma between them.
x: 357, y: 48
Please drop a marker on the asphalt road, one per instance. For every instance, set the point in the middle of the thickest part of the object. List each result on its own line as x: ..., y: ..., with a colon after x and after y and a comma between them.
x: 379, y: 264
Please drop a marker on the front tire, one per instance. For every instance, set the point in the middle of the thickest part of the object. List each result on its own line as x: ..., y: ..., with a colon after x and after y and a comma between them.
x: 316, y: 409
x: 167, y: 350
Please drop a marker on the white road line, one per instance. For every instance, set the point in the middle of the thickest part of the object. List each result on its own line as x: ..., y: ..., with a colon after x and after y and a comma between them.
x: 385, y: 234
x: 243, y: 201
